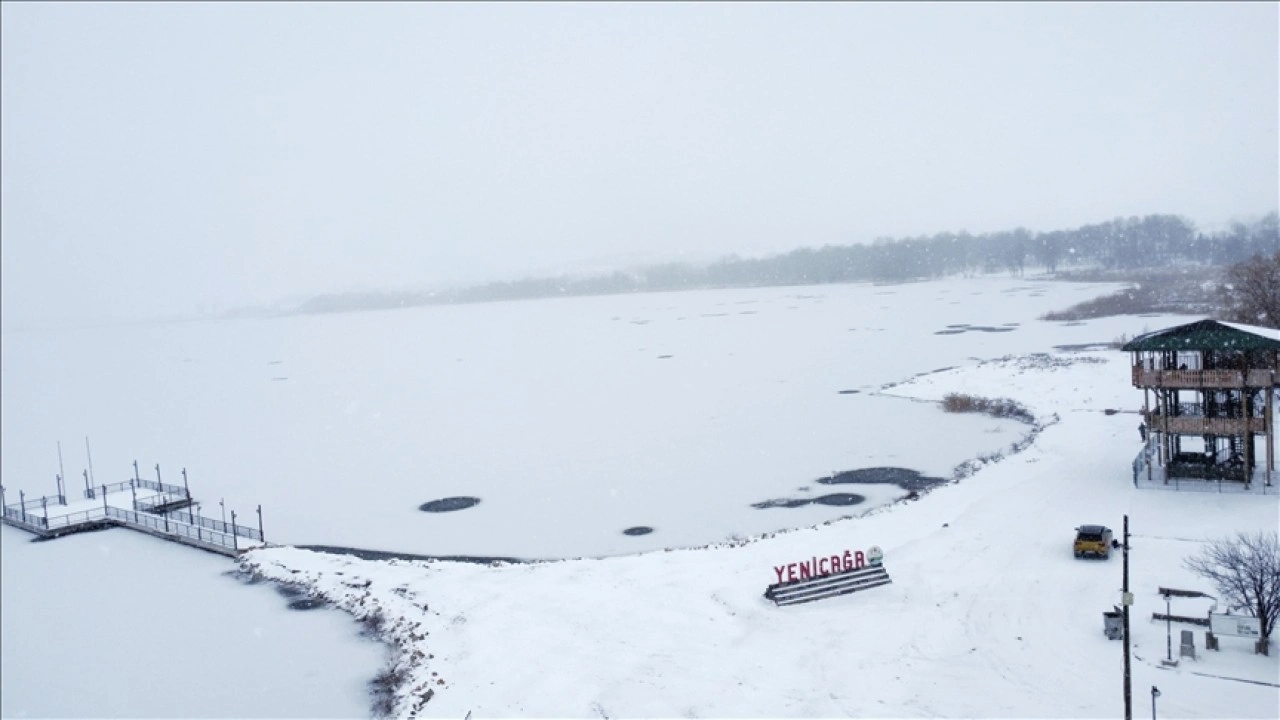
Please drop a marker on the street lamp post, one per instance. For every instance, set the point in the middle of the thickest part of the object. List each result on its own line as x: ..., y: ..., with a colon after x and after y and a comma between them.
x: 1155, y: 693
x: 222, y: 504
x: 1126, y: 601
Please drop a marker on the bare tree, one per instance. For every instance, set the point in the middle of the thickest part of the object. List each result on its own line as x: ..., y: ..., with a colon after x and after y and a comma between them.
x: 1251, y: 291
x: 1246, y: 571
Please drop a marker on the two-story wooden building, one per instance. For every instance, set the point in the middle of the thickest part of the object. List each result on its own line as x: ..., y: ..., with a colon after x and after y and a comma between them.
x: 1208, y: 393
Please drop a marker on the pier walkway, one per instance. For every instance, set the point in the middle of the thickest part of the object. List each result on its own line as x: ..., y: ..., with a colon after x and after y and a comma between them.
x: 158, y: 509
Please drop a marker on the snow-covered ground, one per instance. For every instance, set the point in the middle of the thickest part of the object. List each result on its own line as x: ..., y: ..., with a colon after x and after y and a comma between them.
x: 574, y: 419
x: 989, y: 615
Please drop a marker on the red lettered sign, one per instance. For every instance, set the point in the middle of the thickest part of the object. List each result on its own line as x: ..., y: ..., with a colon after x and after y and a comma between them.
x: 816, y: 567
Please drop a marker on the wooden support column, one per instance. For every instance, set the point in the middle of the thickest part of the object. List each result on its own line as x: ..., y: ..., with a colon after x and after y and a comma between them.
x: 1269, y: 426
x: 1246, y: 412
x: 1146, y: 443
x: 1166, y: 448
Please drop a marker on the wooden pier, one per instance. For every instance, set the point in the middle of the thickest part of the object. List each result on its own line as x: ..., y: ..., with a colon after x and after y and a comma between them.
x: 163, y: 511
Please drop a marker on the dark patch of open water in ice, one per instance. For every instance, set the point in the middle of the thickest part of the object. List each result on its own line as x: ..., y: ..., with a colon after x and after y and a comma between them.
x: 449, y: 504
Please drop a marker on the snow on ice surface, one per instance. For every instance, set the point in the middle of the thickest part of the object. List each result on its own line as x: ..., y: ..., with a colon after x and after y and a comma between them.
x: 569, y: 423
x: 989, y: 615
x: 118, y: 624
x: 571, y: 419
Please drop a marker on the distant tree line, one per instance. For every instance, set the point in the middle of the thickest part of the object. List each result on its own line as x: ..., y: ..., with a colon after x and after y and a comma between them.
x: 1122, y: 244
x: 1250, y: 292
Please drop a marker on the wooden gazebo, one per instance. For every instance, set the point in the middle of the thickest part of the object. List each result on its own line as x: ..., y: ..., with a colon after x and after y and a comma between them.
x: 1207, y: 390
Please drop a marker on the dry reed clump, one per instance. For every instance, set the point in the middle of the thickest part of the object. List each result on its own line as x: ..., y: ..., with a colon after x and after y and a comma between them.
x: 383, y: 687
x: 997, y: 407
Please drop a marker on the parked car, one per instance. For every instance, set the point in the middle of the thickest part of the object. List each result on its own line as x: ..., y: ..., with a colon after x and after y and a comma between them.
x: 1093, y: 540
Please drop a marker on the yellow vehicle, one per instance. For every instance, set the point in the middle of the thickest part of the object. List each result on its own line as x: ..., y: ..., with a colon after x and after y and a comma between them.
x: 1093, y: 540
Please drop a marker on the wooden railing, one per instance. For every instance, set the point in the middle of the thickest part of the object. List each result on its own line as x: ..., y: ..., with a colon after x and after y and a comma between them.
x: 32, y: 504
x: 1199, y: 425
x: 158, y: 486
x: 221, y: 539
x: 1190, y: 379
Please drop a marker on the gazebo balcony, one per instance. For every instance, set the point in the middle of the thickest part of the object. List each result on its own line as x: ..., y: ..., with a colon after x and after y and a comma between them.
x: 1196, y: 379
x: 1200, y: 425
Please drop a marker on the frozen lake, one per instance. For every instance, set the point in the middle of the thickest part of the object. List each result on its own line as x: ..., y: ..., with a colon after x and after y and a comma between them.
x: 570, y: 421
x: 581, y: 426
x: 117, y: 624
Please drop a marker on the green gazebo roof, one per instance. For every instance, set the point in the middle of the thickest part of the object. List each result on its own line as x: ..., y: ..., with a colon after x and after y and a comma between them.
x: 1207, y: 335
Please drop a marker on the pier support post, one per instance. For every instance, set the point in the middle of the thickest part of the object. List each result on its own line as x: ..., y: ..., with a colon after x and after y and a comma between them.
x: 88, y: 454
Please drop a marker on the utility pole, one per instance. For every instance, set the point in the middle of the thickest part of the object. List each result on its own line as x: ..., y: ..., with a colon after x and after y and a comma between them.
x: 1127, y: 600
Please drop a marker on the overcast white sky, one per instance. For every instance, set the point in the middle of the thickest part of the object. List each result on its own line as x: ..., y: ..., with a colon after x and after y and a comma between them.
x: 162, y: 159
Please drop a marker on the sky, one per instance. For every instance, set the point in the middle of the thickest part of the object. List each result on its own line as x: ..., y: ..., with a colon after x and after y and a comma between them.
x: 167, y: 159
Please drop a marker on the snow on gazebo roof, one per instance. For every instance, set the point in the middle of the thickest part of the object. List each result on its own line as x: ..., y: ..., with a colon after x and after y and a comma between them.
x: 1207, y: 335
